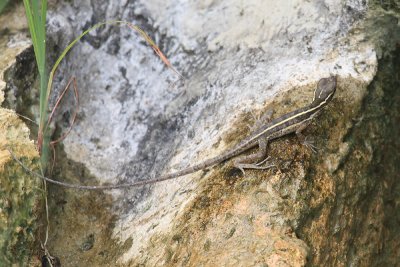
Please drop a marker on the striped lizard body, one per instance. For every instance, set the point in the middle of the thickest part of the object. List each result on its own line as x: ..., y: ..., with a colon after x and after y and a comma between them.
x: 292, y: 122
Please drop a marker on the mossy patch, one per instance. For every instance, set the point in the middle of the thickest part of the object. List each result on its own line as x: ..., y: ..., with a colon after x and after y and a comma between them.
x: 20, y: 193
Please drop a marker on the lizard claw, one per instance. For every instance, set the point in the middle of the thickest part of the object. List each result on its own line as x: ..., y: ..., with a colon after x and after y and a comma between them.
x: 256, y: 166
x: 263, y: 161
x: 267, y: 164
x: 241, y: 169
x: 310, y: 144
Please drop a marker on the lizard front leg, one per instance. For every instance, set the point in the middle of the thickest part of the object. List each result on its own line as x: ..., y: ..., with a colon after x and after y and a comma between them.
x: 303, y: 139
x: 247, y: 162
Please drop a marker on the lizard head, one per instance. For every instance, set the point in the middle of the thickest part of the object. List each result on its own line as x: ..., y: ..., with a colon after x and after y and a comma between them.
x: 325, y: 90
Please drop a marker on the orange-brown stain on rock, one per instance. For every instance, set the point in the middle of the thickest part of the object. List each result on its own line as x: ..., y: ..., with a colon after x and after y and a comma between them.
x: 242, y: 206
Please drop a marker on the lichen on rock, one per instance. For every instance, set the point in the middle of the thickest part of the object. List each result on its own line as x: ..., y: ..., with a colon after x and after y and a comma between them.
x: 259, y: 55
x: 20, y: 193
x: 313, y: 209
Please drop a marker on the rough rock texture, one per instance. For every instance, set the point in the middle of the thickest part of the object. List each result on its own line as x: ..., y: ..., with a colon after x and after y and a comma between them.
x: 13, y: 40
x: 20, y: 194
x: 337, y: 207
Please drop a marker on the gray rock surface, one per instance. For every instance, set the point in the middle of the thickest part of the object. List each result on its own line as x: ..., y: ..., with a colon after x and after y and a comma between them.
x: 337, y: 207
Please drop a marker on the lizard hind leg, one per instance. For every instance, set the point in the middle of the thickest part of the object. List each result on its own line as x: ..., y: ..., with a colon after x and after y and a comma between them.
x: 247, y: 162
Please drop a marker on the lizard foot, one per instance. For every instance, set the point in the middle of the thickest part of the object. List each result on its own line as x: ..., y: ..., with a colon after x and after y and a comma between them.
x: 262, y: 165
x: 310, y: 144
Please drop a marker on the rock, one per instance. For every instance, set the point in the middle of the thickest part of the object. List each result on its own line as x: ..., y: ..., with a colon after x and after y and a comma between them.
x: 336, y: 207
x: 20, y: 194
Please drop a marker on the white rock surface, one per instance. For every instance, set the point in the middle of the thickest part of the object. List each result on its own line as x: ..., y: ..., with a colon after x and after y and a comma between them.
x: 236, y: 57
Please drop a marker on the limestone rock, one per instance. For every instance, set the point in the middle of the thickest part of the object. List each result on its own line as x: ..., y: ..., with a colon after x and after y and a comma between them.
x: 337, y: 207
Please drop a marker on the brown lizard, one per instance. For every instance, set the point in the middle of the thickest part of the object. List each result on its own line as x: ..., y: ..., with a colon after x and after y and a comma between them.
x: 292, y: 122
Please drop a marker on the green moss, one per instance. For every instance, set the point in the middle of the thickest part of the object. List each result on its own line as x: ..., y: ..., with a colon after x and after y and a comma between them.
x: 207, y: 245
x: 19, y: 199
x: 231, y: 233
x: 3, y: 4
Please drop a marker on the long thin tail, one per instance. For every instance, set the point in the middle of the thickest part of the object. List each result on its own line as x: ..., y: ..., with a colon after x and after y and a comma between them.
x: 202, y: 165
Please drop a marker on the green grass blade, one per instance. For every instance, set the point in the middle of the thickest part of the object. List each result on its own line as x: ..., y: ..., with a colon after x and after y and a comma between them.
x: 3, y: 4
x: 37, y: 30
x: 37, y: 26
x: 44, y: 12
x: 31, y: 24
x: 42, y: 34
